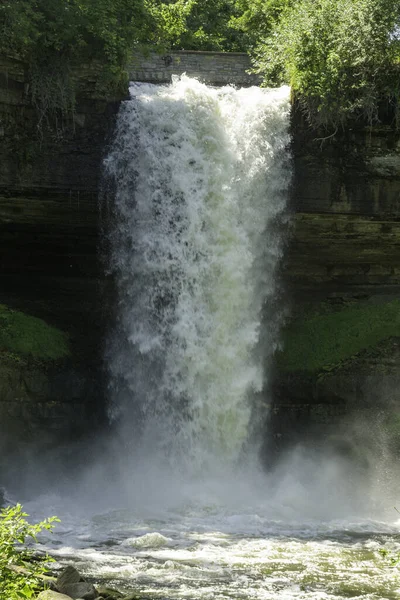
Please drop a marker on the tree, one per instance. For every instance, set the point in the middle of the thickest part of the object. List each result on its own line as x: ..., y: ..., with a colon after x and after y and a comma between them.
x: 339, y: 56
x: 258, y: 18
x: 51, y: 36
x: 208, y: 25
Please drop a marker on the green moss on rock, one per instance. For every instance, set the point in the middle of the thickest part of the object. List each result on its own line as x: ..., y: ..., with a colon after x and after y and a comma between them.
x: 317, y: 342
x: 27, y: 336
x: 392, y: 428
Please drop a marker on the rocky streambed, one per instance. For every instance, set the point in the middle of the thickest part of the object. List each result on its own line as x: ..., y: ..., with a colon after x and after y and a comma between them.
x: 71, y: 585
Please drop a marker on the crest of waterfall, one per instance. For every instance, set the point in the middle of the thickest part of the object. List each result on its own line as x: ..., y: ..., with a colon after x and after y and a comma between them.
x: 201, y: 177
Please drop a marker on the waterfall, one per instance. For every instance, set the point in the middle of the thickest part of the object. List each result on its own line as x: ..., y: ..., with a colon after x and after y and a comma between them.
x: 201, y: 177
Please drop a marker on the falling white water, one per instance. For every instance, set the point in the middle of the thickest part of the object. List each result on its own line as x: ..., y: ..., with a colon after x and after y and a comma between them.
x: 201, y: 177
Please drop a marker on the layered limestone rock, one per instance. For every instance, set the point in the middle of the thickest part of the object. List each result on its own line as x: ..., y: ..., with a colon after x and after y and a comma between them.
x: 49, y: 251
x: 346, y: 200
x: 344, y: 253
x: 338, y: 252
x: 49, y: 181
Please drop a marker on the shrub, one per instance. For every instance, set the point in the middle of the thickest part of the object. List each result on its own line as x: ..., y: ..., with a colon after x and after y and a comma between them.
x: 20, y: 576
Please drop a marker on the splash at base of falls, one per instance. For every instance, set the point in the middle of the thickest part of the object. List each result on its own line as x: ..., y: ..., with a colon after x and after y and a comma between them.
x: 304, y: 532
x: 201, y: 178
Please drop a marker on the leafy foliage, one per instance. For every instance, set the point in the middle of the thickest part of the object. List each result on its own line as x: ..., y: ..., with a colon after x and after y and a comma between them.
x: 107, y: 31
x: 79, y: 29
x: 340, y: 56
x: 257, y: 19
x: 205, y: 25
x: 51, y: 36
x: 20, y: 576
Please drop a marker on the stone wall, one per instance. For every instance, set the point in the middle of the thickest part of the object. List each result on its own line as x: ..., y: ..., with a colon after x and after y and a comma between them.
x: 214, y: 68
x: 346, y: 201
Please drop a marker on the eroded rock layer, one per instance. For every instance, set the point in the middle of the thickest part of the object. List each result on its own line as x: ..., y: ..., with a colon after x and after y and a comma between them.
x: 343, y: 260
x: 49, y: 253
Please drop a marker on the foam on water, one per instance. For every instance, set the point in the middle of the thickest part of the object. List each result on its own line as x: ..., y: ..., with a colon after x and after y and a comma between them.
x: 231, y: 551
x: 296, y: 534
x: 148, y: 540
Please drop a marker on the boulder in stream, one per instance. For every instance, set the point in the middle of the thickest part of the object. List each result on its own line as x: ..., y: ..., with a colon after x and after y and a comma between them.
x: 67, y: 576
x: 51, y: 595
x: 80, y: 590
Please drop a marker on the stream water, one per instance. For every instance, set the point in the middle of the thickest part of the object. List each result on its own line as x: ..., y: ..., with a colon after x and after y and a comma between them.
x: 251, y: 537
x: 176, y: 507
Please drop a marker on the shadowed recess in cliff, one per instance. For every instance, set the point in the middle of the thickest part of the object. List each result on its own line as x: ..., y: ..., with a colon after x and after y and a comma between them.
x: 201, y: 179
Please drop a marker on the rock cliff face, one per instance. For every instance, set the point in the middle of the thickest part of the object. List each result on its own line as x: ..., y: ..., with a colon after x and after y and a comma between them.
x: 343, y: 254
x: 347, y: 204
x: 49, y: 253
x: 343, y: 259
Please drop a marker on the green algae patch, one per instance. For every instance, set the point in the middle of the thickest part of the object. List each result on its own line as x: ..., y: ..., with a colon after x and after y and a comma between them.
x: 22, y: 335
x: 322, y: 342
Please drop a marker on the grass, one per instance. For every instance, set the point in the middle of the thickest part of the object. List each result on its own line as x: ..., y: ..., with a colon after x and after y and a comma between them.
x: 322, y: 341
x: 27, y: 336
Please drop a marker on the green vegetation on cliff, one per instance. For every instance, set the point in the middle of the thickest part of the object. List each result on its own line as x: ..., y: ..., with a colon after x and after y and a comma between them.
x: 318, y: 342
x: 341, y: 57
x: 27, y: 336
x: 51, y: 36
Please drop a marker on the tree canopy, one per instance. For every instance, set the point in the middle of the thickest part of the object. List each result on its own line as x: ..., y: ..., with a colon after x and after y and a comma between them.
x: 340, y: 57
x: 43, y: 30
